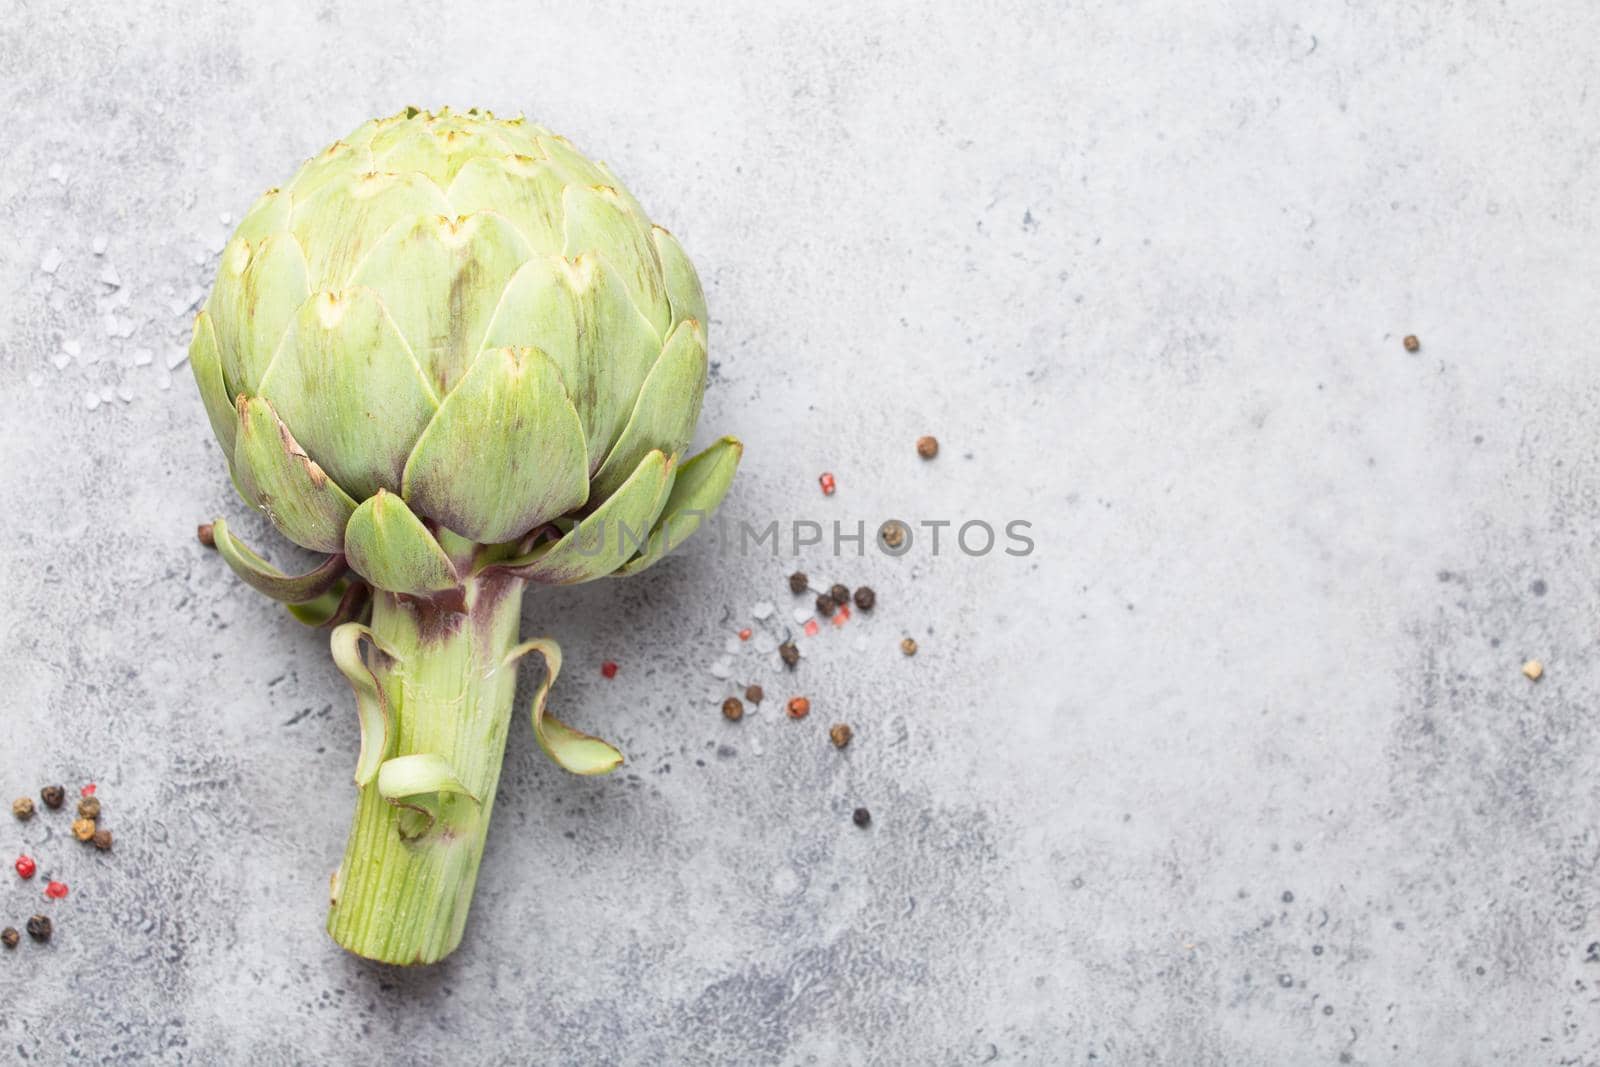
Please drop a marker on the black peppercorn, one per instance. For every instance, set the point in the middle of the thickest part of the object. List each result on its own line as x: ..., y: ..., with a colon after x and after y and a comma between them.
x: 732, y: 710
x: 754, y: 694
x: 798, y: 582
x: 9, y: 937
x: 53, y: 796
x: 789, y: 653
x: 102, y: 840
x: 40, y: 928
x: 866, y: 598
x: 861, y: 817
x: 825, y: 605
x: 840, y: 593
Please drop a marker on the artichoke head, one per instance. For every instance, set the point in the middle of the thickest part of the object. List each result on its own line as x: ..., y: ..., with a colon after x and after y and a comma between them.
x: 451, y: 329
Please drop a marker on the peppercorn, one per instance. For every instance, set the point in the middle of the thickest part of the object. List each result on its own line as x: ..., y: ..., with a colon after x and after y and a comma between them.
x: 53, y: 796
x: 732, y: 710
x: 908, y: 646
x: 1411, y: 342
x: 40, y: 928
x: 102, y: 840
x: 861, y: 817
x: 754, y: 694
x: 206, y: 535
x: 22, y: 808
x: 799, y: 707
x: 789, y: 653
x: 866, y: 598
x: 799, y: 583
x: 9, y: 937
x: 893, y: 533
x: 840, y: 734
x: 89, y: 808
x: 840, y: 593
x: 26, y: 866
x: 826, y: 605
x: 83, y: 829
x: 927, y: 446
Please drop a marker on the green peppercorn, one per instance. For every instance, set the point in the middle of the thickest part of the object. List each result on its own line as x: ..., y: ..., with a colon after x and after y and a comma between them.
x: 22, y: 808
x: 89, y: 808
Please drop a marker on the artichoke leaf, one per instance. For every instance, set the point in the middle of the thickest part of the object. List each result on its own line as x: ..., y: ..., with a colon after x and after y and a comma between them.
x: 697, y: 491
x: 665, y: 414
x: 571, y: 750
x: 600, y: 220
x: 207, y: 365
x: 440, y: 279
x: 372, y: 704
x: 297, y: 495
x: 428, y: 792
x: 358, y: 207
x: 684, y: 292
x: 505, y: 453
x: 346, y: 602
x: 390, y: 547
x: 346, y: 384
x: 579, y: 313
x: 608, y: 537
x: 265, y: 578
x: 259, y: 289
x: 525, y: 190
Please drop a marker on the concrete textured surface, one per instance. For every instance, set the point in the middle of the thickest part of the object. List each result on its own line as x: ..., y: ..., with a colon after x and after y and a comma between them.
x: 1238, y: 767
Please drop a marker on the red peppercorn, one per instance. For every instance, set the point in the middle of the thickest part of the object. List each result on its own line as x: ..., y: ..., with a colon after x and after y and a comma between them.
x: 799, y: 707
x: 827, y: 483
x: 744, y: 635
x: 26, y: 867
x: 87, y: 791
x: 609, y: 669
x: 56, y: 890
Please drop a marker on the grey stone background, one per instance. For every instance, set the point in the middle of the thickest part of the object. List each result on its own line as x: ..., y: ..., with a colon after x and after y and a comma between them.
x: 1238, y: 767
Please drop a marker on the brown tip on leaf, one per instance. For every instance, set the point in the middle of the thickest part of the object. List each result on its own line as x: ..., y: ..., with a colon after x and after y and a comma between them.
x: 206, y: 535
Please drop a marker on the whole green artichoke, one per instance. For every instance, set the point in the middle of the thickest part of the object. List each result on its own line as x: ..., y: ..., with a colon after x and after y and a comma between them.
x: 453, y: 355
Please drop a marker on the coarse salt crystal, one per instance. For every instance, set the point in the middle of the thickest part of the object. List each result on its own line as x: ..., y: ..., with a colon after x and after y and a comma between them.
x: 731, y: 646
x: 722, y: 668
x: 91, y: 400
x: 60, y: 360
x: 802, y: 615
x: 124, y: 394
x: 766, y: 643
x: 72, y: 347
x: 56, y: 172
x: 176, y: 357
x: 762, y: 612
x: 142, y: 357
x: 107, y: 395
x: 226, y: 218
x: 109, y: 276
x: 100, y: 244
x: 51, y: 261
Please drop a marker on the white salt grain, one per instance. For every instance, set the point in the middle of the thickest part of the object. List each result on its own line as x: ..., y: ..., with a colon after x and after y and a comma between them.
x: 176, y: 357
x: 109, y: 276
x: 722, y: 668
x: 802, y: 615
x: 51, y: 261
x: 142, y: 357
x: 91, y: 400
x: 762, y: 612
x: 100, y: 244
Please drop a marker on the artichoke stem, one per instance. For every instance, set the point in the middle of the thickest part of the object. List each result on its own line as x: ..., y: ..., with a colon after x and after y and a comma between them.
x: 403, y: 898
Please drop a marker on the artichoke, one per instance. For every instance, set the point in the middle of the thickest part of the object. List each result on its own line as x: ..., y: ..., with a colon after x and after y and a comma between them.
x: 453, y: 356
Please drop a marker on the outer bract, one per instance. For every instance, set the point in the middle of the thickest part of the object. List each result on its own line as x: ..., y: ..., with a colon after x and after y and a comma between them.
x: 454, y: 356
